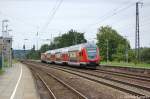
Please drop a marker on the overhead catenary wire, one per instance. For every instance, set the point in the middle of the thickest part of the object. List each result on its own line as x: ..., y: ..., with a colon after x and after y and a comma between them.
x: 145, y: 20
x: 54, y: 10
x: 131, y: 26
x: 106, y: 16
x: 113, y: 12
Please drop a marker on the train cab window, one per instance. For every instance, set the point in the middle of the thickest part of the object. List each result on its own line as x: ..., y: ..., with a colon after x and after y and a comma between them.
x: 92, y: 52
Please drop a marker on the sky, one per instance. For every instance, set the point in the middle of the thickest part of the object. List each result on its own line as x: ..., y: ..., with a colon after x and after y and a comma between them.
x: 27, y: 17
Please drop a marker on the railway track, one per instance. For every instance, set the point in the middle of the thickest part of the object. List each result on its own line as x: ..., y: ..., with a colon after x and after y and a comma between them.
x: 123, y: 74
x: 113, y: 85
x: 120, y: 74
x: 44, y: 91
x: 58, y: 88
x: 111, y: 79
x: 129, y: 69
x: 120, y: 85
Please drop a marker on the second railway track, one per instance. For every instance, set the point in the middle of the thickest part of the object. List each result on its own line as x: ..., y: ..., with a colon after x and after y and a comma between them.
x: 129, y: 75
x: 122, y: 86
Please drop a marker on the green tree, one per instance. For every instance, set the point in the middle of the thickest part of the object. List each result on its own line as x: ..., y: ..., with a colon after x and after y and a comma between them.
x: 32, y: 54
x: 117, y: 44
x: 145, y: 55
x: 131, y: 54
x: 72, y: 37
x: 44, y: 48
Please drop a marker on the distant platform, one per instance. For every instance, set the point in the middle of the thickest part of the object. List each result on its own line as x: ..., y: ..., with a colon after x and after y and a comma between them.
x: 17, y: 83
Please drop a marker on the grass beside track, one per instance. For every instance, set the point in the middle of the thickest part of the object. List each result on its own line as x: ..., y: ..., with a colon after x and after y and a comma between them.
x: 1, y: 71
x: 123, y: 64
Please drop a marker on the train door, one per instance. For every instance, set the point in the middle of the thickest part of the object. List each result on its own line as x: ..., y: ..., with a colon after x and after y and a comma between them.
x: 52, y: 58
x: 74, y: 57
x: 48, y: 57
x: 83, y: 57
x: 58, y: 58
x: 65, y: 57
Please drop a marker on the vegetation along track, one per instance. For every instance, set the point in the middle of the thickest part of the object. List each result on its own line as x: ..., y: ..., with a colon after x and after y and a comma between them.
x: 133, y: 89
x: 58, y: 88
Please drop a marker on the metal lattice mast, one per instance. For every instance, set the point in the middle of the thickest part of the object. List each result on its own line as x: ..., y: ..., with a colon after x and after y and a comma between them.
x: 137, y: 34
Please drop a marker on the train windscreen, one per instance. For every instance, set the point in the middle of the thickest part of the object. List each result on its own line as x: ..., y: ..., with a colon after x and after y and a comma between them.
x: 92, y: 52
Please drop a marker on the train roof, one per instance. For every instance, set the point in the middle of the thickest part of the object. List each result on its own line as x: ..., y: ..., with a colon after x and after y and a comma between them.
x: 72, y: 48
x: 83, y: 45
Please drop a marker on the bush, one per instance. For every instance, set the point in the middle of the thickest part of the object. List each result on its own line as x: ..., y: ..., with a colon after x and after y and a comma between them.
x: 145, y: 55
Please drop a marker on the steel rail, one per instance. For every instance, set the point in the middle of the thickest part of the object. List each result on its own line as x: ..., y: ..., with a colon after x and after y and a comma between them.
x: 118, y: 81
x: 129, y: 75
x: 50, y: 91
x: 104, y: 83
x: 81, y: 96
x: 142, y: 77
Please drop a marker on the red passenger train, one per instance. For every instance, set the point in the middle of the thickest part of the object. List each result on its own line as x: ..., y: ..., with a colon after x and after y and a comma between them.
x: 85, y: 55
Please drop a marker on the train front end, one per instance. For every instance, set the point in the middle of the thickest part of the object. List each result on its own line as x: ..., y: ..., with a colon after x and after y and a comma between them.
x: 92, y: 55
